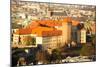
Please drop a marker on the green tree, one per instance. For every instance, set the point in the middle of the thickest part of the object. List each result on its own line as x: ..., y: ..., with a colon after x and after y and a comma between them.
x: 88, y: 25
x: 33, y: 41
x: 56, y: 55
x: 41, y: 57
x: 93, y: 40
x: 28, y: 40
x: 87, y: 50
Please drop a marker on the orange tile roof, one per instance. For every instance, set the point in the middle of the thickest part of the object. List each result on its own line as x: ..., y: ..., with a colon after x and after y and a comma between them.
x: 40, y: 31
x: 44, y: 31
x: 50, y: 23
x: 33, y: 24
x: 23, y: 31
x: 35, y: 28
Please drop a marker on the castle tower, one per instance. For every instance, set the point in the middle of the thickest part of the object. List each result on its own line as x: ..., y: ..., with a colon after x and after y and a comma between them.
x: 66, y: 32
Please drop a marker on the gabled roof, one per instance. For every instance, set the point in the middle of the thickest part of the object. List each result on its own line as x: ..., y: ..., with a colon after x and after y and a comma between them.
x: 23, y: 31
x: 33, y: 24
x: 39, y: 31
x: 35, y: 27
x: 52, y: 23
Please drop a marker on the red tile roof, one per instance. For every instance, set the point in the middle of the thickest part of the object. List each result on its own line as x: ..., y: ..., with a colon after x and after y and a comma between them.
x: 39, y: 31
x: 35, y: 28
x: 23, y: 31
x: 33, y: 24
x: 44, y: 31
x: 52, y: 23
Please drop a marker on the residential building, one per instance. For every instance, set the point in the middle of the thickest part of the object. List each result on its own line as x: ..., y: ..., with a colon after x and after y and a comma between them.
x: 47, y: 37
x: 81, y: 36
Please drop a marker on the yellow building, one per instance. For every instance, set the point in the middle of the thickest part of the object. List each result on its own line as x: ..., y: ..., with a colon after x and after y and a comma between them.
x: 83, y: 35
x: 49, y: 38
x: 66, y: 28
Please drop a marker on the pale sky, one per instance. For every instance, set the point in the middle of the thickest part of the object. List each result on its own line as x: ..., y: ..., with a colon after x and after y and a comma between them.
x: 87, y: 2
